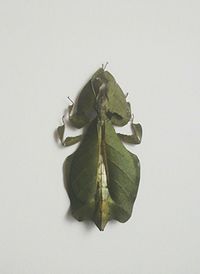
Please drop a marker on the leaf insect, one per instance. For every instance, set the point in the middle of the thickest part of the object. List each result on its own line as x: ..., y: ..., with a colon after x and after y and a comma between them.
x: 102, y: 175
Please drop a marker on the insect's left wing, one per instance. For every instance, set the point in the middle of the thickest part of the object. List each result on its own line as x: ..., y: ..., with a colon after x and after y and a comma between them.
x: 80, y: 173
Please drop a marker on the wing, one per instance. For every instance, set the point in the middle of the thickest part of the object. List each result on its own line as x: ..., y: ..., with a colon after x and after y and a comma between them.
x: 80, y: 172
x: 123, y: 169
x: 97, y: 196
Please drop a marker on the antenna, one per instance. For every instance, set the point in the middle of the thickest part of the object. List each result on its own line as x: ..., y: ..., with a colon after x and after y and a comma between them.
x: 104, y: 66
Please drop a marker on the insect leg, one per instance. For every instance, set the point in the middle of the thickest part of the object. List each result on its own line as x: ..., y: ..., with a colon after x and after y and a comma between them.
x: 135, y: 137
x: 69, y: 140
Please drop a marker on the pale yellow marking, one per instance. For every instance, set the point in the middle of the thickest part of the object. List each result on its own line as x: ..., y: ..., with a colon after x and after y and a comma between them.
x: 102, y: 179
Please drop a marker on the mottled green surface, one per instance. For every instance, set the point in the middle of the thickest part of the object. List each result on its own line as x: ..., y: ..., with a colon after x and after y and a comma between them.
x: 100, y: 105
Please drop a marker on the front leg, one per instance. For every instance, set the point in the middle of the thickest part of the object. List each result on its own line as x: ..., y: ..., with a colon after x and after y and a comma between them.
x: 135, y: 137
x: 60, y: 130
x: 69, y: 140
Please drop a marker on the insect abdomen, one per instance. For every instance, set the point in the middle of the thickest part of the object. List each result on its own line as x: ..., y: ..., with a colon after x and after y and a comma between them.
x: 101, y: 216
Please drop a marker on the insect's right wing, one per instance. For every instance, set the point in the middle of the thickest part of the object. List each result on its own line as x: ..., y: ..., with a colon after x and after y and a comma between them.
x: 123, y: 170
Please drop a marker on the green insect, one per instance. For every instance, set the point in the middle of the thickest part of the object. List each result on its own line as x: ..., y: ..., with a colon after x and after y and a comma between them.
x: 102, y: 175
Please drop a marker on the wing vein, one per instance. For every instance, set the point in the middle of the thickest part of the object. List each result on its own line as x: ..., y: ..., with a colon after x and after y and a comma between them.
x: 130, y: 179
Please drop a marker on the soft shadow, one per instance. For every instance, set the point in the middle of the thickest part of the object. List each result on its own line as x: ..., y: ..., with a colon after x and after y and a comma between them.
x: 68, y: 216
x: 65, y: 171
x: 87, y: 224
x: 113, y: 222
x: 55, y: 136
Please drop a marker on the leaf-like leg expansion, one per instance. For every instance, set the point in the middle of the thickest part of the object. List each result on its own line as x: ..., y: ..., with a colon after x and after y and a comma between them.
x: 60, y: 131
x: 136, y: 136
x: 69, y: 140
x: 121, y: 120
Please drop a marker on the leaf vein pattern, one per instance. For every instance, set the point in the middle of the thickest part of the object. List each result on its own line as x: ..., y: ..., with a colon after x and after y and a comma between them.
x: 130, y: 179
x: 79, y: 175
x: 115, y: 149
x: 124, y: 190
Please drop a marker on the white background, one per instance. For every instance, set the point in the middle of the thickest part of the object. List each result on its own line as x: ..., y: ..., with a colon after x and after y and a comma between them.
x: 48, y: 50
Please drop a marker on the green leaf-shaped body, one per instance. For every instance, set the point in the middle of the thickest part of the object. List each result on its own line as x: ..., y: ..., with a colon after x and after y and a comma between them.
x: 102, y: 175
